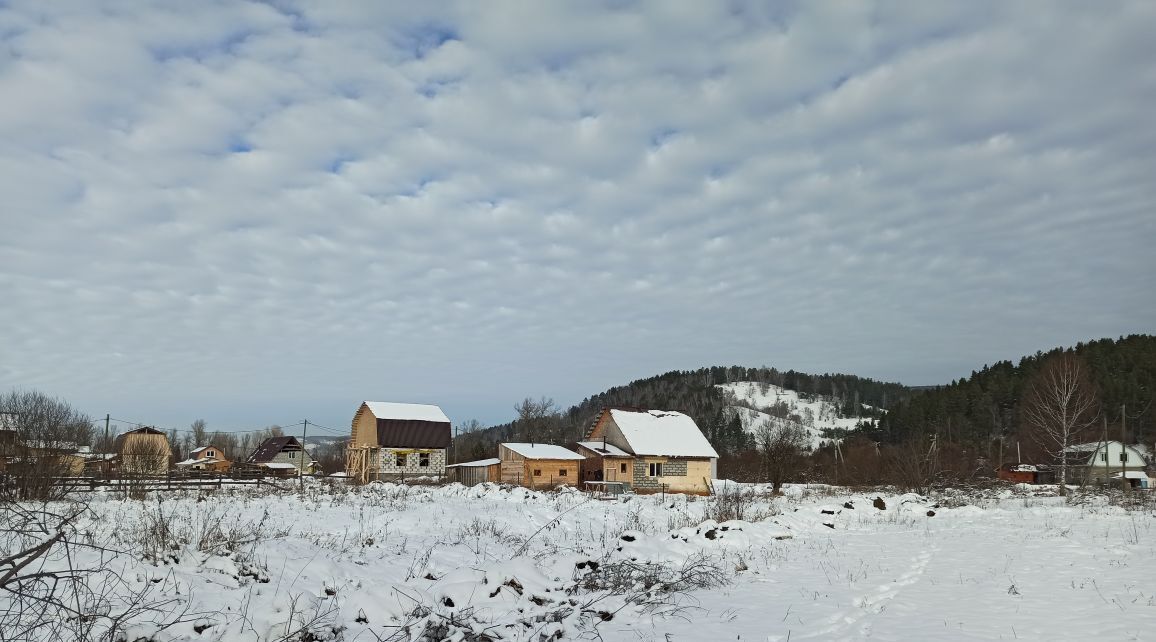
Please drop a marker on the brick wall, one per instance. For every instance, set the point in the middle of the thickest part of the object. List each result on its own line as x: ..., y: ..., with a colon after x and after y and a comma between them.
x: 413, y: 467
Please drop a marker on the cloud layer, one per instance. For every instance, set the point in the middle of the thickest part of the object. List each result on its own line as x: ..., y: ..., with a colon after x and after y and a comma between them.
x: 243, y: 211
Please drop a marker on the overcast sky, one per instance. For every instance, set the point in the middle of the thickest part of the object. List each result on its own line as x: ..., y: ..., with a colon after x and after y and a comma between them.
x: 258, y: 213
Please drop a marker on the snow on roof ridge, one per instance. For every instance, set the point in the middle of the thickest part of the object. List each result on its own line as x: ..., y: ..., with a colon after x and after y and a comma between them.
x: 476, y: 463
x: 542, y: 451
x: 662, y: 433
x: 598, y: 445
x: 406, y: 411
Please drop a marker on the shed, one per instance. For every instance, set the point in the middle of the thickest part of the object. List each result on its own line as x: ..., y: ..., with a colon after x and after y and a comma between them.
x: 472, y: 473
x: 538, y: 465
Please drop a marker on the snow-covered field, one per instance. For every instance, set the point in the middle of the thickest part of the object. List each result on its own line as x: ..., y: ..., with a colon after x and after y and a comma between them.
x: 817, y: 416
x: 394, y: 562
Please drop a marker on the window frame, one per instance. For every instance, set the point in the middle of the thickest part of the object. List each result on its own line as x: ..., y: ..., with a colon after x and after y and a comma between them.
x: 655, y: 469
x: 400, y: 459
x: 423, y: 460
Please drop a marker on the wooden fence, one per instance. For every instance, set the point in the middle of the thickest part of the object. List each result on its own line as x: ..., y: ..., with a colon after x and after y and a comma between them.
x: 176, y: 481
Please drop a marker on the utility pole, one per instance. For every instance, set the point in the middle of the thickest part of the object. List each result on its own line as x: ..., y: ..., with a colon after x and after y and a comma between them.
x: 106, y: 420
x: 1123, y: 454
x: 304, y: 453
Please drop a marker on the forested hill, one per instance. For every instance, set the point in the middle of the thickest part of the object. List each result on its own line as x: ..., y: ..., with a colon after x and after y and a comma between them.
x: 695, y: 393
x: 986, y: 404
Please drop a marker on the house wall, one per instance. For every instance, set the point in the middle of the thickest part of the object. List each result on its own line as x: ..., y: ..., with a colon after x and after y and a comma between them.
x: 298, y: 458
x: 1097, y: 471
x: 513, y: 466
x: 144, y: 454
x: 364, y: 431
x: 473, y: 475
x: 605, y: 428
x: 388, y: 468
x: 1017, y: 476
x: 597, y: 467
x: 680, y: 475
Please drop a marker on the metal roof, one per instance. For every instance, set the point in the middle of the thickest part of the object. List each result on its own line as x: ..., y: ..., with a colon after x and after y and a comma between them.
x: 271, y: 447
x: 412, y: 433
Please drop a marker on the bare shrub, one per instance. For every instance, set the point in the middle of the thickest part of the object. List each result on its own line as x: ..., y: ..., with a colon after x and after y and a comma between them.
x: 728, y: 504
x: 209, y: 528
x: 47, y: 592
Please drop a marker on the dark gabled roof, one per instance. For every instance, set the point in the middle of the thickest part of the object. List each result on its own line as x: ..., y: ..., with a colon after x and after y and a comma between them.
x: 411, y: 433
x: 271, y: 447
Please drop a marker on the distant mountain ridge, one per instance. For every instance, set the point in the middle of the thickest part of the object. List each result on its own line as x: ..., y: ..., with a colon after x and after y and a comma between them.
x: 986, y: 405
x: 698, y: 394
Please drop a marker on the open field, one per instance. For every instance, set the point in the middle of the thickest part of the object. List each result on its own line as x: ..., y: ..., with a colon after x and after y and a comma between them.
x: 393, y: 562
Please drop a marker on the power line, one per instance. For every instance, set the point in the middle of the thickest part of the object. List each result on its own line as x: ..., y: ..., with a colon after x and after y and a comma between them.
x: 190, y: 431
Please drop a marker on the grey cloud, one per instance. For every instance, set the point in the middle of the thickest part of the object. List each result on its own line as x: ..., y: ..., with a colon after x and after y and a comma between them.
x: 252, y: 210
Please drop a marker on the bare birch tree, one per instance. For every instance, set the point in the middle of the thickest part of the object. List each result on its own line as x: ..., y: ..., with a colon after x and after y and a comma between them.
x: 1060, y: 407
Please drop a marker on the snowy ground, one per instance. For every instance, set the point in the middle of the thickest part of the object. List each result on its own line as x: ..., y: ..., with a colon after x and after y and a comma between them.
x: 817, y: 416
x: 389, y: 561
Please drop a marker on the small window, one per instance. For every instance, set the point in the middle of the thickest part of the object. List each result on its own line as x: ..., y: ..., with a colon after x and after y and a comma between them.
x: 656, y: 469
x: 401, y: 460
x: 292, y: 454
x: 209, y: 453
x: 561, y: 472
x: 1123, y: 456
x: 423, y: 459
x: 622, y: 468
x: 537, y: 472
x: 1104, y: 457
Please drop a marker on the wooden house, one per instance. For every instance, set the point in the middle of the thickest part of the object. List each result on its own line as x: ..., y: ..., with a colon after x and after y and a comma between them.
x: 282, y: 457
x: 1096, y: 462
x: 397, y: 440
x: 666, y: 450
x: 472, y: 473
x: 538, y: 465
x: 144, y: 451
x: 206, y: 458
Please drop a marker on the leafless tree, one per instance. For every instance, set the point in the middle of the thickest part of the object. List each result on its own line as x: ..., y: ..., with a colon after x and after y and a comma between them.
x: 200, y: 433
x: 1060, y: 407
x: 534, y: 417
x: 782, y: 446
x: 41, y: 440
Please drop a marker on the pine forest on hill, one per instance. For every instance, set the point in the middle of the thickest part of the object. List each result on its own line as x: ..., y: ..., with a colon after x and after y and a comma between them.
x: 972, y: 425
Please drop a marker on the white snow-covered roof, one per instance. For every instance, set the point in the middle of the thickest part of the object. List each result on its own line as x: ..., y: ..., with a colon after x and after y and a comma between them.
x: 278, y: 465
x: 1131, y: 474
x: 207, y: 460
x: 1088, y: 447
x: 409, y: 411
x: 605, y: 449
x: 1025, y: 468
x: 662, y: 433
x: 543, y: 451
x: 481, y: 463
